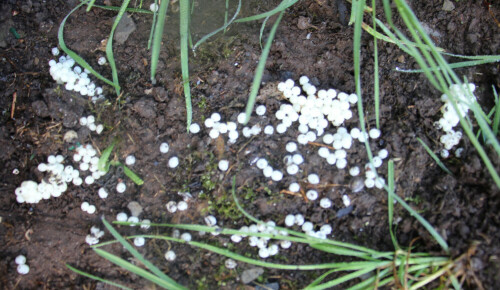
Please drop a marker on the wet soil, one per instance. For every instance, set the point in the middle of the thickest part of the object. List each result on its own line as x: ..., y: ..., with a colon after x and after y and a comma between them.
x: 314, y: 40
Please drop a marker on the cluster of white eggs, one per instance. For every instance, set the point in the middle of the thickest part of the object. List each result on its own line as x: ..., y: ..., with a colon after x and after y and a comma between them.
x: 464, y: 96
x: 74, y: 78
x: 22, y: 267
x: 87, y: 160
x: 55, y: 183
x: 90, y: 123
x: 307, y: 227
x: 94, y: 236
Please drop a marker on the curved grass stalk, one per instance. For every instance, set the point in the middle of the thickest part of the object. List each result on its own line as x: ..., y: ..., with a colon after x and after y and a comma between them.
x: 80, y: 272
x: 435, y: 157
x: 376, y: 82
x: 158, y: 276
x: 455, y: 65
x: 78, y: 59
x: 109, y: 46
x: 157, y: 37
x: 280, y: 8
x: 260, y: 69
x: 226, y: 24
x: 184, y: 33
x: 151, y: 33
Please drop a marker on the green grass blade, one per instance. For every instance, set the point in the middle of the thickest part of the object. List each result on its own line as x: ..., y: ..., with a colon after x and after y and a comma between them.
x: 390, y: 202
x: 136, y: 270
x: 109, y: 46
x: 376, y: 82
x: 78, y: 59
x: 129, y: 173
x: 260, y: 69
x: 280, y: 8
x: 452, y: 65
x: 496, y: 118
x: 103, y: 164
x: 90, y: 4
x: 262, y: 27
x: 343, y: 279
x: 184, y: 33
x: 226, y: 13
x: 115, y: 8
x: 153, y: 24
x: 79, y: 272
x: 424, y: 223
x: 477, y: 57
x: 340, y: 251
x: 171, y: 283
x: 435, y: 157
x: 226, y: 24
x: 371, y: 282
x: 320, y: 278
x: 157, y: 37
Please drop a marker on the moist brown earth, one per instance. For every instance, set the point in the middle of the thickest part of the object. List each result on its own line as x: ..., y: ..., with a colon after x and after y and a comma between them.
x: 313, y: 39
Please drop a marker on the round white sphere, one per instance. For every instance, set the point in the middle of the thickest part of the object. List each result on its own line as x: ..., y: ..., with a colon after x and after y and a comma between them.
x: 173, y: 162
x: 20, y: 260
x: 130, y: 160
x: 23, y: 269
x: 121, y: 187
x: 164, y: 147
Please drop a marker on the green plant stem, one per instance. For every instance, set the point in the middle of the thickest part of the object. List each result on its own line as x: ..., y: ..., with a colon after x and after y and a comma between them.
x: 259, y: 71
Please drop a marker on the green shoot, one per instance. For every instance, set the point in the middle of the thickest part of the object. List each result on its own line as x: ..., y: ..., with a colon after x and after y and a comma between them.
x: 104, y: 164
x: 109, y: 46
x: 157, y: 37
x: 434, y: 156
x: 80, y: 272
x: 157, y: 276
x: 376, y: 82
x: 184, y: 33
x: 260, y: 69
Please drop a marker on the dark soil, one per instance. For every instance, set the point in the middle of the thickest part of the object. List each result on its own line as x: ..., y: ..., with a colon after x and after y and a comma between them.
x: 464, y: 208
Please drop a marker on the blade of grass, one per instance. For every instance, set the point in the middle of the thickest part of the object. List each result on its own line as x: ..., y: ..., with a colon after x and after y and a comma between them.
x: 90, y: 4
x: 184, y: 34
x: 226, y: 13
x: 320, y: 278
x: 376, y: 84
x: 109, y: 46
x: 97, y: 278
x: 424, y: 223
x: 103, y: 164
x: 153, y: 24
x: 371, y: 283
x: 226, y: 24
x: 116, y: 8
x: 262, y: 27
x: 455, y: 65
x: 157, y: 37
x: 159, y: 274
x: 496, y: 118
x: 390, y: 202
x: 435, y: 157
x: 260, y: 69
x: 78, y: 59
x: 136, y: 270
x: 128, y: 172
x: 343, y: 278
x: 280, y: 8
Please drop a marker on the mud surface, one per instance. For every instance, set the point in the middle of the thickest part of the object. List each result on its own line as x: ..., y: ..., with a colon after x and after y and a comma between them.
x: 313, y: 39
